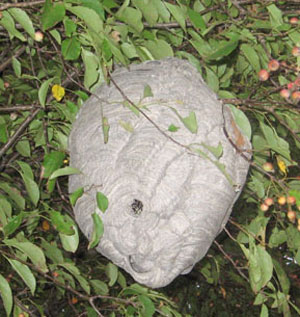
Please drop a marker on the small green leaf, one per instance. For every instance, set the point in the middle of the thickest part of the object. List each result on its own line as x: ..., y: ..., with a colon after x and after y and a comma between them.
x: 264, y: 311
x: 159, y: 48
x: 32, y: 189
x: 6, y: 295
x: 91, y: 65
x: 76, y: 195
x: 52, y: 251
x: 14, y: 194
x: 35, y: 254
x: 105, y: 129
x: 100, y: 287
x: 147, y: 92
x: 217, y: 151
x: 275, y: 16
x: 22, y: 18
x: 224, y: 50
x: 112, y: 273
x: 9, y: 24
x: 89, y: 16
x: 242, y: 121
x: 23, y: 147
x: 52, y: 161
x: 43, y: 91
x: 251, y: 56
x: 148, y: 306
x: 196, y: 19
x: 177, y: 13
x: 16, y: 67
x: 13, y: 224
x: 102, y: 201
x: 26, y: 169
x: 52, y: 14
x: 64, y: 171
x: 190, y: 122
x: 61, y: 224
x: 70, y: 242
x: 98, y: 230
x: 126, y: 125
x: 173, y: 128
x: 132, y: 17
x: 282, y: 277
x: 70, y: 48
x: 25, y: 274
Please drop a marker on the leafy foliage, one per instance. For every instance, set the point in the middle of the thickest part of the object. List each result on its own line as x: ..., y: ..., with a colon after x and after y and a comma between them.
x: 53, y: 55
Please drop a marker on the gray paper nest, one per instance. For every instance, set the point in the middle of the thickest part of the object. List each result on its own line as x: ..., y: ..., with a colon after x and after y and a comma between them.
x: 166, y: 203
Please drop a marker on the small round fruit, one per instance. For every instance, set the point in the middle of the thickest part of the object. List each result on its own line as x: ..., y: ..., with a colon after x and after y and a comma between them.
x: 264, y: 207
x: 6, y: 84
x: 55, y: 274
x: 273, y: 65
x: 38, y: 36
x: 268, y: 167
x: 281, y: 200
x: 297, y: 82
x: 296, y: 95
x: 291, y: 200
x: 269, y: 201
x: 74, y: 300
x: 294, y: 20
x: 296, y: 51
x: 285, y: 93
x: 263, y: 75
x: 291, y: 215
x: 291, y: 85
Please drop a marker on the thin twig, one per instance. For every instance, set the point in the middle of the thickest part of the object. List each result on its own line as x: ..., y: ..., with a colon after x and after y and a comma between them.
x: 232, y: 262
x: 17, y: 108
x: 21, y: 4
x: 19, y: 52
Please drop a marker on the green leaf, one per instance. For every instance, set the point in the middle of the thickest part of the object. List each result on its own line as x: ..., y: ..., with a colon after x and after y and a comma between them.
x: 70, y: 242
x: 5, y: 207
x: 98, y: 230
x: 70, y: 26
x: 190, y: 122
x: 159, y: 49
x: 23, y: 147
x: 212, y: 79
x: 264, y: 311
x: 13, y: 224
x: 90, y: 18
x: 52, y: 161
x: 251, y: 56
x: 111, y: 271
x: 76, y: 273
x: 105, y: 129
x: 22, y: 18
x: 16, y: 67
x: 25, y: 274
x: 147, y: 92
x: 52, y: 14
x: 217, y: 151
x: 64, y: 171
x: 76, y: 195
x: 91, y: 65
x: 132, y: 17
x: 275, y: 16
x: 177, y: 13
x: 32, y: 189
x: 70, y: 48
x: 148, y: 9
x: 276, y: 143
x: 52, y: 251
x: 35, y: 254
x: 224, y: 49
x: 43, y: 91
x: 9, y: 24
x: 6, y: 295
x: 14, y: 194
x: 102, y: 201
x: 26, y: 169
x: 61, y: 223
x: 148, y: 306
x: 242, y: 121
x: 196, y: 19
x: 173, y: 128
x: 282, y: 277
x: 100, y: 287
x: 126, y: 125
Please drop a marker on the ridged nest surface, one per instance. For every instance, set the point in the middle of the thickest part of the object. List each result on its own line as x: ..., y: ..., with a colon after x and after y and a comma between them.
x: 167, y: 200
